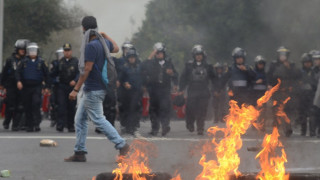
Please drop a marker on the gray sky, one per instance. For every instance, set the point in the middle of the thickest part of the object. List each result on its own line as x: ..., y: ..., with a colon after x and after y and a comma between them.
x: 114, y: 16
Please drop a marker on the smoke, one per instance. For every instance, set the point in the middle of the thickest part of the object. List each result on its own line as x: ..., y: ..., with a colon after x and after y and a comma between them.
x: 292, y: 23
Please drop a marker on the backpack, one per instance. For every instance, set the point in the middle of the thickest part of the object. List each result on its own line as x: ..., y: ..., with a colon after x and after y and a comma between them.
x: 109, y: 73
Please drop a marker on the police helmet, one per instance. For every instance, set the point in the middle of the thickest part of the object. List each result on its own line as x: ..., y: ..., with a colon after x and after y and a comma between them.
x: 59, y: 53
x: 283, y: 51
x: 126, y: 45
x: 198, y: 49
x: 259, y: 60
x: 21, y: 44
x: 131, y: 52
x: 316, y: 55
x: 218, y: 65
x: 32, y: 49
x: 160, y: 47
x: 238, y: 52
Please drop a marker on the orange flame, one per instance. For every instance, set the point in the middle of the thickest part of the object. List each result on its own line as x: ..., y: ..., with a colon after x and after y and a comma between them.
x: 136, y: 162
x: 272, y: 167
x: 238, y: 121
x: 177, y: 177
x: 281, y: 114
x: 230, y: 93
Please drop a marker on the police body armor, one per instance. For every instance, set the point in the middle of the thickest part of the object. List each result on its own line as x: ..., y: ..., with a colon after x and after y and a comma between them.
x: 67, y: 70
x: 239, y: 79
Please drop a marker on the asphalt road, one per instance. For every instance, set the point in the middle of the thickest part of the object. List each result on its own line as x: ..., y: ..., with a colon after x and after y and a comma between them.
x: 21, y: 154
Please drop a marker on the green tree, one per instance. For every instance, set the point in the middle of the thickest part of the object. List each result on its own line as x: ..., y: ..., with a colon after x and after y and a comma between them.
x: 219, y: 25
x: 36, y: 20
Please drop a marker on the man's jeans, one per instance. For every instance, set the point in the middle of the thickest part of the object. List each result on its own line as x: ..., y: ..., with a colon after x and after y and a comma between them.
x: 90, y: 107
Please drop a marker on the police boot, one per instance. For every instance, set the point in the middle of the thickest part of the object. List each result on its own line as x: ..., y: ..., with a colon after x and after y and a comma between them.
x: 77, y: 157
x: 165, y: 131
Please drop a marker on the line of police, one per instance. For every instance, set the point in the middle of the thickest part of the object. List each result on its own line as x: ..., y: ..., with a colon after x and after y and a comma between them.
x: 24, y: 78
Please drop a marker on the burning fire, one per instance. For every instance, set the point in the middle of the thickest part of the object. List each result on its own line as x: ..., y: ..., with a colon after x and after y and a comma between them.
x: 238, y: 121
x: 272, y: 167
x: 137, y: 161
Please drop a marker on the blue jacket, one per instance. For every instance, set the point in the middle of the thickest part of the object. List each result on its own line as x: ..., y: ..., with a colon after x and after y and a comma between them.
x: 131, y: 73
x: 33, y: 73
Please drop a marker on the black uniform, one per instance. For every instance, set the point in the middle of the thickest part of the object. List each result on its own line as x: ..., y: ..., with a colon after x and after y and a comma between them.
x: 68, y: 71
x: 288, y: 77
x: 258, y: 89
x: 306, y: 94
x: 158, y: 83
x: 196, y: 76
x: 54, y: 67
x: 32, y: 73
x: 131, y: 98
x: 219, y: 97
x: 13, y: 100
x: 240, y: 83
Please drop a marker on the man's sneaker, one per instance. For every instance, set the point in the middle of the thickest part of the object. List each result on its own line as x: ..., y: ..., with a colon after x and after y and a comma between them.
x: 124, y: 150
x: 77, y: 157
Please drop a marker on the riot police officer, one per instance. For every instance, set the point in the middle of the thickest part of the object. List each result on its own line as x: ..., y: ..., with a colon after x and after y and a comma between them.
x: 286, y: 71
x: 159, y: 73
x: 54, y: 68
x: 196, y: 77
x: 119, y: 63
x: 131, y: 88
x: 259, y: 84
x: 14, y: 106
x: 219, y: 93
x: 30, y: 76
x: 68, y: 75
x: 306, y: 94
x: 240, y: 77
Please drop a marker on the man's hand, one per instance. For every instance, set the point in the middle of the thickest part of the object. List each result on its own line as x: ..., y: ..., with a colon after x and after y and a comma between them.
x: 127, y: 85
x: 118, y: 84
x: 19, y: 85
x: 72, y: 83
x: 259, y: 81
x: 153, y: 53
x: 287, y: 64
x: 73, y: 95
x: 104, y: 35
x: 170, y: 72
x: 242, y: 67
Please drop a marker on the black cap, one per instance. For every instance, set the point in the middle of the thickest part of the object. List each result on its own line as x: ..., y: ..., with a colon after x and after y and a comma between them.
x: 67, y: 47
x: 89, y: 22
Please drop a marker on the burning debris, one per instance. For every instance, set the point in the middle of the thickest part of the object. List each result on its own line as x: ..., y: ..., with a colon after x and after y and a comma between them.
x: 135, y: 165
x: 272, y: 166
x: 238, y: 121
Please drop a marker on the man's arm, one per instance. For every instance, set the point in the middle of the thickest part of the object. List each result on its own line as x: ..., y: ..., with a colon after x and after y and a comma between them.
x: 83, y: 77
x: 115, y: 46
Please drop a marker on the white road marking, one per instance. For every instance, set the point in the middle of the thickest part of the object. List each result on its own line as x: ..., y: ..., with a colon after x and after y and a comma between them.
x: 153, y: 138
